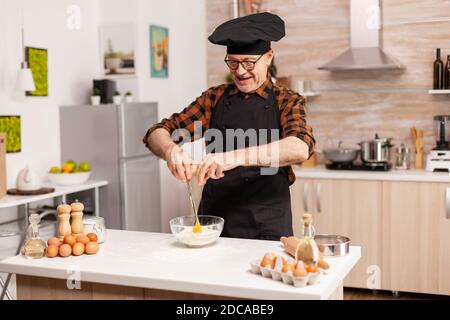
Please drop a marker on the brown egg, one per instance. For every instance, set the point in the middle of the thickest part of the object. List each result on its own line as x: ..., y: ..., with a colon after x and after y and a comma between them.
x: 70, y: 240
x: 83, y: 239
x: 323, y: 264
x: 53, y: 241
x: 52, y: 250
x: 300, y: 272
x: 92, y: 247
x: 288, y: 266
x: 268, y: 259
x: 78, y: 249
x: 92, y: 236
x: 65, y: 250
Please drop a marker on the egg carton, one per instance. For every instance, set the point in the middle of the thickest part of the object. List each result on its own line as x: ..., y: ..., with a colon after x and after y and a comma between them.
x: 285, y: 277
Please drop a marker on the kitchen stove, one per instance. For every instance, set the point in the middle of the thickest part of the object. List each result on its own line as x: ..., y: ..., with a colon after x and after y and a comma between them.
x: 383, y: 166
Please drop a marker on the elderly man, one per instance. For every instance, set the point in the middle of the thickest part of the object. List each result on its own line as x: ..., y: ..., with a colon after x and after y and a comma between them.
x: 255, y: 204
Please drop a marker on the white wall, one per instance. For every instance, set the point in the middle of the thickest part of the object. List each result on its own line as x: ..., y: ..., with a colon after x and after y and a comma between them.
x: 187, y: 76
x: 74, y: 62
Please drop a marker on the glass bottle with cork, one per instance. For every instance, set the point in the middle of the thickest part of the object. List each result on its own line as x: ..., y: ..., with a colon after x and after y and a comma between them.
x: 308, y: 251
x: 447, y: 74
x: 438, y: 71
x: 34, y: 247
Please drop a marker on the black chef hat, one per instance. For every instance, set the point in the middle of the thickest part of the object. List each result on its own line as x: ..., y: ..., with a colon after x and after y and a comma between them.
x: 251, y: 34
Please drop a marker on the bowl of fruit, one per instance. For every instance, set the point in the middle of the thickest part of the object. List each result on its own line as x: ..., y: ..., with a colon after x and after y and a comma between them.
x: 70, y: 173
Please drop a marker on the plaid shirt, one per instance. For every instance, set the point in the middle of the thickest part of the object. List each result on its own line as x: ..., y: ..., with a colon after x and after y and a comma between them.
x: 291, y: 105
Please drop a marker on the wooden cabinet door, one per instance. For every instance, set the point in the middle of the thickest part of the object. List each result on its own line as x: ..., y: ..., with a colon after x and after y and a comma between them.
x: 301, y: 202
x: 444, y: 241
x: 416, y: 241
x: 343, y: 207
x: 351, y: 208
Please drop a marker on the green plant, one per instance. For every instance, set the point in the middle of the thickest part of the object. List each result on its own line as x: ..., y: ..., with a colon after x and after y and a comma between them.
x: 113, y: 55
x: 96, y: 92
x: 117, y: 93
x: 38, y: 63
x: 11, y: 126
x: 128, y: 93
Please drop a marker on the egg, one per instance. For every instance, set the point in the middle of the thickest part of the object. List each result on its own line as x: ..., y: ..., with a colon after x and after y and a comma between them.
x: 53, y: 241
x: 92, y: 236
x: 323, y: 264
x: 78, y: 249
x: 312, y: 268
x: 65, y: 250
x: 300, y: 270
x: 52, y: 250
x: 288, y: 266
x: 268, y: 260
x: 83, y: 239
x: 92, y: 247
x: 70, y: 240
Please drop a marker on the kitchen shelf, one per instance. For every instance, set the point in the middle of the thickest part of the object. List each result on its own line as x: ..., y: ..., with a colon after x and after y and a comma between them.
x: 439, y: 91
x: 309, y: 94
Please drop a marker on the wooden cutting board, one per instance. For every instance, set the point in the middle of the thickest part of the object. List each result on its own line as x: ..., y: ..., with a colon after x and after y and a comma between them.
x: 15, y: 192
x: 2, y: 164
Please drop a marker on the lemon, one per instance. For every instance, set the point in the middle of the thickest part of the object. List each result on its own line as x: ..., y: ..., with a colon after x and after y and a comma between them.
x: 71, y: 162
x: 84, y: 166
x: 55, y: 169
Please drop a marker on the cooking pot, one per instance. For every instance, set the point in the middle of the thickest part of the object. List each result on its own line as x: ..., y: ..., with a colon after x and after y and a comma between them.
x: 376, y: 151
x: 341, y: 154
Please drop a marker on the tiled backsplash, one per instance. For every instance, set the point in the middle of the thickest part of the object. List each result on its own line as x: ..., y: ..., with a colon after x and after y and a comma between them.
x: 355, y: 105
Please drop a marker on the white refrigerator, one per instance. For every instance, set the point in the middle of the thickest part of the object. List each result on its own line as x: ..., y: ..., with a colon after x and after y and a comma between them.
x: 110, y: 138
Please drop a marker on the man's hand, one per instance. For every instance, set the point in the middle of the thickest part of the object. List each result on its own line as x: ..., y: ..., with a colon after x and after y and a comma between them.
x: 180, y: 163
x: 214, y: 165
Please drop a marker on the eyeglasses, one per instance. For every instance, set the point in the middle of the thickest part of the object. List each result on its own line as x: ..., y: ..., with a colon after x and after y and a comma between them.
x: 248, y: 65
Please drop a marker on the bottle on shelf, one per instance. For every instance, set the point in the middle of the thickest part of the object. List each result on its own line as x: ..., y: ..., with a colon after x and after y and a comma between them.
x: 34, y: 247
x: 447, y: 74
x: 438, y: 71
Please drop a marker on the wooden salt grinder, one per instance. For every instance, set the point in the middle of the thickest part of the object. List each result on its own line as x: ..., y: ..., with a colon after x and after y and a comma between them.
x: 63, y: 221
x: 77, y: 218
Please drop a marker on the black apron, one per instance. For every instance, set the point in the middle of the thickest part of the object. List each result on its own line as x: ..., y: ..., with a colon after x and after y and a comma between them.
x: 254, y: 206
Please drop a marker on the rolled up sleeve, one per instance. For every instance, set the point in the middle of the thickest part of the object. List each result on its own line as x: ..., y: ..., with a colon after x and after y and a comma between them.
x: 293, y: 120
x: 199, y: 110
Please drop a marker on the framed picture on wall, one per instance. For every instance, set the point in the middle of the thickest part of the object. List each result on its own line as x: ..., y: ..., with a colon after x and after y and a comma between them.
x: 11, y: 126
x: 117, y: 48
x: 37, y: 60
x: 159, y: 52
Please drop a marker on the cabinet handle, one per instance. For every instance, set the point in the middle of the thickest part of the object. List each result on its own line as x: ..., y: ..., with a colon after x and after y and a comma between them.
x: 447, y: 202
x: 305, y: 197
x: 318, y: 189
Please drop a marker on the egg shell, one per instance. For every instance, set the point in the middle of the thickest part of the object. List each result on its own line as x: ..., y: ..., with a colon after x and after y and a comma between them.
x: 65, y: 250
x: 92, y: 248
x: 52, y: 250
x: 92, y: 236
x: 53, y: 241
x: 70, y: 240
x: 83, y: 239
x: 78, y: 249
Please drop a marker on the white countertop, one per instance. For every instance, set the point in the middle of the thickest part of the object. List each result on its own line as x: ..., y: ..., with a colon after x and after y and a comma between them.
x: 156, y: 260
x: 12, y: 201
x: 320, y: 172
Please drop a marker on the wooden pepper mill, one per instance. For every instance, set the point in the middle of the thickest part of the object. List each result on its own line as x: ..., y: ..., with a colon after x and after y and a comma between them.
x: 64, y: 228
x: 77, y: 218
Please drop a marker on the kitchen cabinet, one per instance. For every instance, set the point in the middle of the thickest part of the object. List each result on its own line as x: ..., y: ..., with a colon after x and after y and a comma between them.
x: 416, y: 237
x: 344, y: 207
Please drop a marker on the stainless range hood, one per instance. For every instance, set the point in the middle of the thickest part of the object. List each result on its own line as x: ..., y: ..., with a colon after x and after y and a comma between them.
x: 365, y: 52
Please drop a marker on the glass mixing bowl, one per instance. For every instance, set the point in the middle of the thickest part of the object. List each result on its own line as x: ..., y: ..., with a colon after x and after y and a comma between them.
x: 211, y: 229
